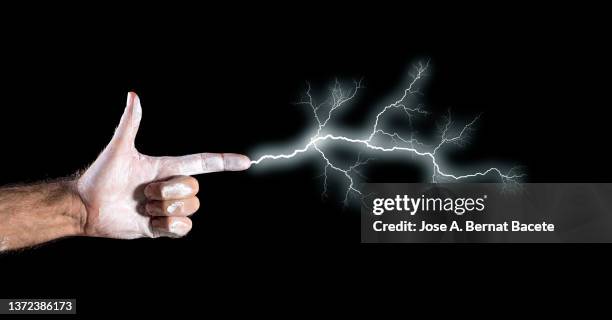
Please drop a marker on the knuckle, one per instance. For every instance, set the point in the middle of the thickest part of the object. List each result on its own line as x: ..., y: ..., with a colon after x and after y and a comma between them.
x: 203, y: 163
x: 153, y: 207
x: 225, y: 161
x: 149, y: 190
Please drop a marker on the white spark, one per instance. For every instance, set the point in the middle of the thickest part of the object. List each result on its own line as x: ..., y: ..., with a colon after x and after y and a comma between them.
x: 339, y: 97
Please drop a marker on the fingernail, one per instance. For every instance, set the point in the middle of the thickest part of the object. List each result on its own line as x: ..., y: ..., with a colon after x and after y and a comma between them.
x: 246, y: 163
x: 176, y: 190
x: 175, y: 205
x: 179, y: 227
x: 129, y: 99
x: 236, y: 163
x: 137, y: 107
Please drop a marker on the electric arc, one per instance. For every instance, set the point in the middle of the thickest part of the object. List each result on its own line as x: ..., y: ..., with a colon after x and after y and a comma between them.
x: 383, y: 140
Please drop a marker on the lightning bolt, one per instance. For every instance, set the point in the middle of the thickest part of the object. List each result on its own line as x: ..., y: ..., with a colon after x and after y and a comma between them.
x: 395, y: 143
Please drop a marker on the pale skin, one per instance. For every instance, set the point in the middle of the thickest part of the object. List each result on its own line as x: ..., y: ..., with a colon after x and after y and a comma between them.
x: 124, y: 194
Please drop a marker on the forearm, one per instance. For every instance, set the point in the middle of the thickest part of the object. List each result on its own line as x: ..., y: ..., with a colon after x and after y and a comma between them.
x: 37, y: 213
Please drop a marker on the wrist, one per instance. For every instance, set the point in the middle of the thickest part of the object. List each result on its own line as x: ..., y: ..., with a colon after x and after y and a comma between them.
x: 76, y: 209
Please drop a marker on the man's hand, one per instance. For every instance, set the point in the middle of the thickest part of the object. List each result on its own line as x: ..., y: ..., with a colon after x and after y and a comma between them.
x: 130, y: 195
x: 124, y: 194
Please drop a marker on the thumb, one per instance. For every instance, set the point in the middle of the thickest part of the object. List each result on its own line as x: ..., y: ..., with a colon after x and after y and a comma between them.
x: 125, y: 134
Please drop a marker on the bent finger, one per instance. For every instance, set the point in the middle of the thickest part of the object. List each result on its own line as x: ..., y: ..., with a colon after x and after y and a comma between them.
x: 173, y: 227
x: 175, y: 208
x: 180, y: 187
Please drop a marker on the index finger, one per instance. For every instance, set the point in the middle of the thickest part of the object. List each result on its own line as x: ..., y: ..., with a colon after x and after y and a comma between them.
x: 204, y: 163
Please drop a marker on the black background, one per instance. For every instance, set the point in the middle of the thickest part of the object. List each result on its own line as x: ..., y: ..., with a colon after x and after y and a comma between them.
x: 222, y: 80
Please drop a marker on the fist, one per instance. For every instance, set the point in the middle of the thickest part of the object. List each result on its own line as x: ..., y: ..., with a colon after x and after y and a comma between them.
x: 171, y: 201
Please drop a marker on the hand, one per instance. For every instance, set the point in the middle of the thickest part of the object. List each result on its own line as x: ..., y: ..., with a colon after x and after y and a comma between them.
x: 130, y: 195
